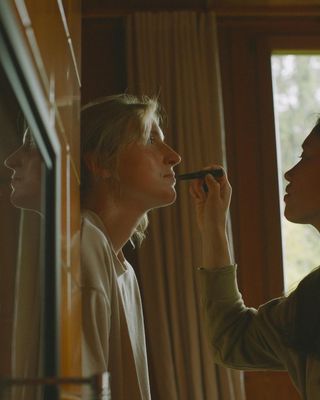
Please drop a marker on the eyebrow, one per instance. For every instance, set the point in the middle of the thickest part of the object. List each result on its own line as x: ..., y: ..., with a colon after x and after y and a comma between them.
x: 158, y: 133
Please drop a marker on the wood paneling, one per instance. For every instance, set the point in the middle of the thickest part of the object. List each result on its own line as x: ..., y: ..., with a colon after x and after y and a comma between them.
x: 96, y: 8
x: 103, y: 61
x: 47, y: 31
x: 72, y: 12
x: 264, y: 3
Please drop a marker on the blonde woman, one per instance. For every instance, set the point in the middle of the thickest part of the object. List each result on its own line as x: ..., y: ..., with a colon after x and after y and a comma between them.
x: 127, y: 170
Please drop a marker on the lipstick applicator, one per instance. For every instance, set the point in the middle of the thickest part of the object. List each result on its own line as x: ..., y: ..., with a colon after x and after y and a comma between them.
x: 216, y: 173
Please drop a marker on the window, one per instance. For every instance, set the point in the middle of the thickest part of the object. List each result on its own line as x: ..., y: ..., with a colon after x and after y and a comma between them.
x: 296, y: 83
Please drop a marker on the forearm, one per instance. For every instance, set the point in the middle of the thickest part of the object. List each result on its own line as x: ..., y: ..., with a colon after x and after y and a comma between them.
x: 240, y: 337
x: 215, y: 248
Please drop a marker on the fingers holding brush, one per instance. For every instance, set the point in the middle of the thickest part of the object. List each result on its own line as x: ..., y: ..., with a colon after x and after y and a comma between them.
x: 220, y: 184
x: 211, y: 196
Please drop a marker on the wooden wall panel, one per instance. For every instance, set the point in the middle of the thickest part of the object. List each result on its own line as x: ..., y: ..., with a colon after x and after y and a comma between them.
x: 98, y: 8
x: 59, y: 71
x: 263, y: 3
x: 72, y: 12
x: 103, y: 57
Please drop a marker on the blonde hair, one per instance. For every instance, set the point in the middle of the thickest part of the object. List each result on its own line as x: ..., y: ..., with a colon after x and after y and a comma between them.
x: 110, y: 123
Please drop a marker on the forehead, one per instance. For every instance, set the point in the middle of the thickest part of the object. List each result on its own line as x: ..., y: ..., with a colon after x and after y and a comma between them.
x: 156, y: 130
x: 28, y: 139
x: 27, y: 136
x: 312, y: 141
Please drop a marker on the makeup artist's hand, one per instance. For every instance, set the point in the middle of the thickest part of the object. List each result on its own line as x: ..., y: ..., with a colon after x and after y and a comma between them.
x: 211, y: 212
x: 212, y: 206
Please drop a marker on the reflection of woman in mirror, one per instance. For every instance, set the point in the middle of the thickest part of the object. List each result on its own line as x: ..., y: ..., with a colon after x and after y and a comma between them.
x: 127, y: 170
x: 26, y: 164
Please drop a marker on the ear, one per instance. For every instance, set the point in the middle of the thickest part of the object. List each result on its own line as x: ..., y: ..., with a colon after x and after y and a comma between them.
x: 96, y: 170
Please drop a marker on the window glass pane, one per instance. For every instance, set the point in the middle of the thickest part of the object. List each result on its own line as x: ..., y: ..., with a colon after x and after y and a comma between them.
x: 22, y: 186
x: 296, y: 90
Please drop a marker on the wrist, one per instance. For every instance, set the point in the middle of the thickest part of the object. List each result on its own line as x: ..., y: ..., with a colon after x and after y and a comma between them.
x: 215, y: 250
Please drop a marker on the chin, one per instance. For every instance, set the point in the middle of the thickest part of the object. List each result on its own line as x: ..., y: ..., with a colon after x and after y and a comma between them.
x: 290, y: 216
x: 173, y: 198
x: 25, y: 204
x: 167, y: 200
x: 295, y: 218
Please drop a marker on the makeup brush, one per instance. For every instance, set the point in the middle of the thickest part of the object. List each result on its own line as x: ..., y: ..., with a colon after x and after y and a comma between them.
x: 216, y: 173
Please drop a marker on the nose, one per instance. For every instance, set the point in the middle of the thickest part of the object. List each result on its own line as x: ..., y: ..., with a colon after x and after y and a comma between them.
x: 13, y: 160
x: 172, y: 157
x: 289, y: 174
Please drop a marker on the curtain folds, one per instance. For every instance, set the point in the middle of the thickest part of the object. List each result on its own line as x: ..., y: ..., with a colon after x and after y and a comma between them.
x: 175, y: 56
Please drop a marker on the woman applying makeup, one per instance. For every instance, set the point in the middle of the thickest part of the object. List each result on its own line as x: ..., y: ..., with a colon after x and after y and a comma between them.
x: 283, y: 334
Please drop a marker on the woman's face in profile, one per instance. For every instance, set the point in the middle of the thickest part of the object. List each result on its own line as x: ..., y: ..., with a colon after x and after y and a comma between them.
x: 146, y: 171
x: 302, y: 201
x: 26, y: 165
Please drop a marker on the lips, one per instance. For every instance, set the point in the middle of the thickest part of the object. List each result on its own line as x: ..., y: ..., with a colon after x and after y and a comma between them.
x: 288, y: 189
x: 15, y: 180
x: 287, y: 193
x: 15, y: 176
x: 171, y: 178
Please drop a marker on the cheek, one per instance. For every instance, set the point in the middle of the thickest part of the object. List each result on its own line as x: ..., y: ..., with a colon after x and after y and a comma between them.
x: 137, y: 166
x: 34, y: 175
x: 310, y: 180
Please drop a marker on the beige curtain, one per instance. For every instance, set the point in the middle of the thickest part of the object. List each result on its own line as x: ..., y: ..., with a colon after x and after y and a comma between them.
x: 175, y: 55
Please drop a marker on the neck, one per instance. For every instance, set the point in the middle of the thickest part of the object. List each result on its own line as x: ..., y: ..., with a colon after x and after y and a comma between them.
x: 119, y: 218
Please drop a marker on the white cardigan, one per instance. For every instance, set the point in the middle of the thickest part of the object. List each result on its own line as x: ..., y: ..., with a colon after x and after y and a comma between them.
x: 113, y: 327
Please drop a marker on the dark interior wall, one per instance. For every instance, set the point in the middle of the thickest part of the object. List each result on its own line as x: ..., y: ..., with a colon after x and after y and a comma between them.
x: 103, y: 57
x: 98, y: 6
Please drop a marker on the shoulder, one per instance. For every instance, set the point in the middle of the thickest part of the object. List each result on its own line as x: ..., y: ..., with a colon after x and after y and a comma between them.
x: 92, y: 234
x: 89, y: 229
x: 306, y: 332
x: 311, y: 280
x: 97, y: 265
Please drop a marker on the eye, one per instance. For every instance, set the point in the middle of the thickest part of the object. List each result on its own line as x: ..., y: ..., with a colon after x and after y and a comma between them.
x: 151, y: 139
x: 305, y: 156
